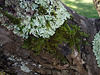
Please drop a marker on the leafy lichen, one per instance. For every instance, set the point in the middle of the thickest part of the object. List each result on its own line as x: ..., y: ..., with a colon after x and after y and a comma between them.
x: 44, y: 25
x: 96, y: 47
x: 39, y: 18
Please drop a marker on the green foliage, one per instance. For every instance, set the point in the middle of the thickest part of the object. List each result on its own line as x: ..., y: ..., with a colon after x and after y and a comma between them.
x: 83, y: 7
x: 72, y: 35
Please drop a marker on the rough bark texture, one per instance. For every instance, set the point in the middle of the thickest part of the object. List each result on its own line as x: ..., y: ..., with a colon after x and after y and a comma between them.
x: 90, y: 26
x: 15, y: 60
x: 97, y: 5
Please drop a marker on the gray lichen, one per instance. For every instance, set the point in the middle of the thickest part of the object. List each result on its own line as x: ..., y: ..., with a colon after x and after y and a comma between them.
x: 18, y: 61
x: 96, y: 47
x: 40, y: 18
x: 24, y: 67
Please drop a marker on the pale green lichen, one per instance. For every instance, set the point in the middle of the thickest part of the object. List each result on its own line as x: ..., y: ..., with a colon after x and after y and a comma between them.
x: 1, y: 15
x: 44, y: 18
x: 96, y: 47
x: 16, y: 61
x: 25, y: 68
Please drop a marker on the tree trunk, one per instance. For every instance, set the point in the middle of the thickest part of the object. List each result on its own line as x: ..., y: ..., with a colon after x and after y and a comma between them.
x: 97, y: 5
x: 15, y: 60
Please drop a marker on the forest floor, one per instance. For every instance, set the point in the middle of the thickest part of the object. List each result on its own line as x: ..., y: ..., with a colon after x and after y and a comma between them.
x: 82, y: 7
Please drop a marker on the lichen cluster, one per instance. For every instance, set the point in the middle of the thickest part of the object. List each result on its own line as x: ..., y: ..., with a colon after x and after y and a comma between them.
x: 40, y: 18
x: 44, y: 25
x: 96, y: 47
x: 72, y: 35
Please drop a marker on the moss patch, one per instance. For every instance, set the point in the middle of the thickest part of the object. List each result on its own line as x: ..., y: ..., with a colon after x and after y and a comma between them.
x: 72, y: 35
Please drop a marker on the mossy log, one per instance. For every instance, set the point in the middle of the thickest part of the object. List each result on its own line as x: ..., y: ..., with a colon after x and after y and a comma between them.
x: 15, y: 60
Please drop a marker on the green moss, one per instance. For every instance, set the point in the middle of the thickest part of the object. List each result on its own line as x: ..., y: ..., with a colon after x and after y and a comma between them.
x: 42, y: 10
x: 13, y: 19
x: 72, y: 35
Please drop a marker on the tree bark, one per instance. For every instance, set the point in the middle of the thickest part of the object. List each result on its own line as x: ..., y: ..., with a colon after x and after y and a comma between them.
x: 97, y: 5
x: 15, y: 60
